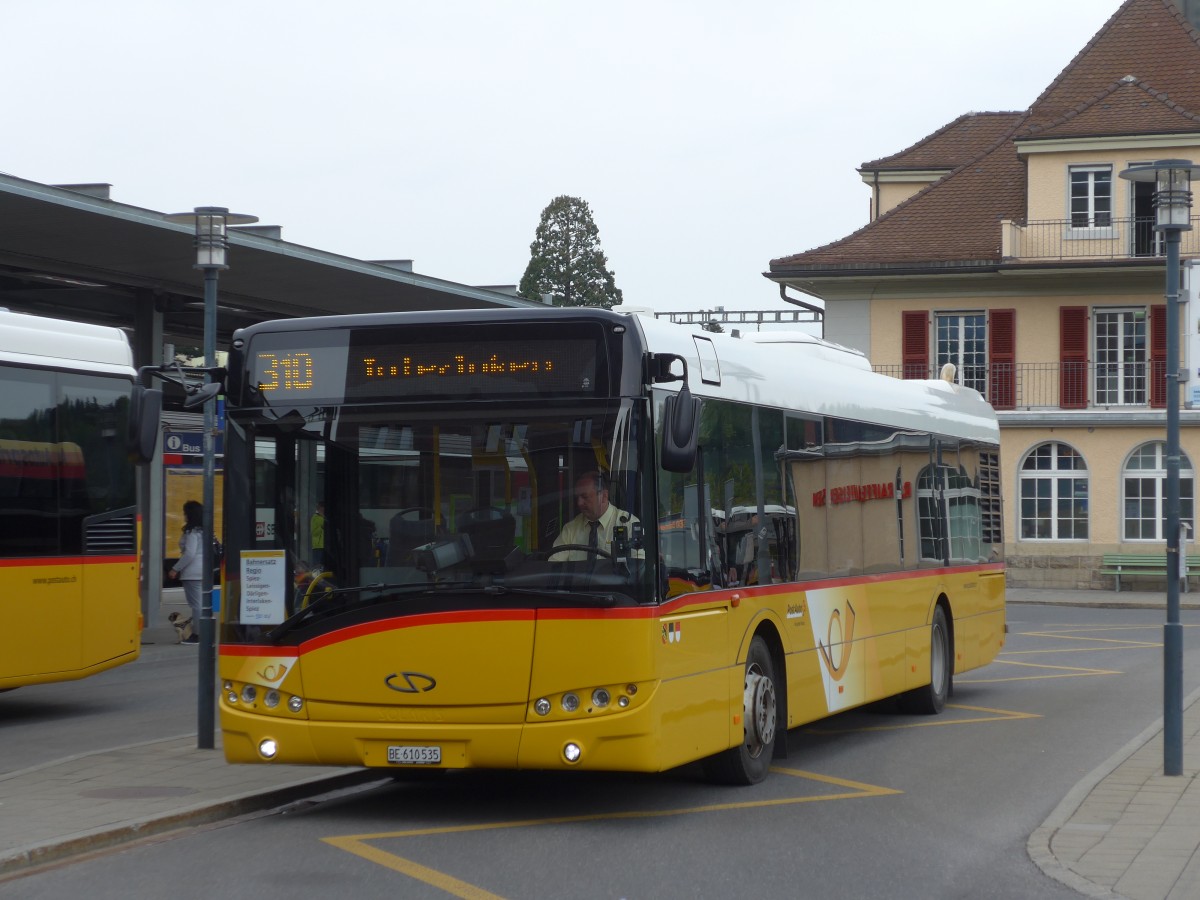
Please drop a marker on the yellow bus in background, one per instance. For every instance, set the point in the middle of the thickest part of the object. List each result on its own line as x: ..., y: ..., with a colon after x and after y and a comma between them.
x: 69, y: 604
x: 788, y: 535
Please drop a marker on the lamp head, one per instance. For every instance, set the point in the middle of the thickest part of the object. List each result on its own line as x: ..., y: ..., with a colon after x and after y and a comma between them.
x: 212, y: 239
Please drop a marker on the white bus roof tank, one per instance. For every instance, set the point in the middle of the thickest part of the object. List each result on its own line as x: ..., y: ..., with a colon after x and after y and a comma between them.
x: 814, y: 346
x: 37, y: 340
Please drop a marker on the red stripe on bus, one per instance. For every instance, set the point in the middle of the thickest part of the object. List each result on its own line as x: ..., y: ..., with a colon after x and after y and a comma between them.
x: 66, y: 561
x: 378, y: 626
x: 673, y: 607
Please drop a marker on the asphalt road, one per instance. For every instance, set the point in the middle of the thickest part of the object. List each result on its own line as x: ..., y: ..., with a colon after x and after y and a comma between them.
x: 153, y: 697
x: 870, y: 803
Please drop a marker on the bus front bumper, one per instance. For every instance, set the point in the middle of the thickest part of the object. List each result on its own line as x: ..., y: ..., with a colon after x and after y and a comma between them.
x: 622, y: 742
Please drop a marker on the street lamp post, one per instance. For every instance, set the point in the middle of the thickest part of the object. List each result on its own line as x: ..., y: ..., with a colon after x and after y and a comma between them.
x: 212, y: 242
x: 1172, y: 215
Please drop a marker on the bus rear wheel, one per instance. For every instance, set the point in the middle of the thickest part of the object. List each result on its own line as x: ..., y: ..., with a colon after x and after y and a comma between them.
x: 749, y: 761
x: 931, y: 699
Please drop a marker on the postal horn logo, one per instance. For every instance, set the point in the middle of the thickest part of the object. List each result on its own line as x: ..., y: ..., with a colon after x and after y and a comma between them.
x: 272, y: 672
x: 410, y: 682
x: 845, y: 637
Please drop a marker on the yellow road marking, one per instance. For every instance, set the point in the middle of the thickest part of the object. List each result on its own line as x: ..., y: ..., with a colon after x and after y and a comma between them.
x: 358, y: 845
x: 1054, y: 672
x: 1071, y: 629
x: 432, y: 877
x: 997, y: 715
x: 1132, y: 645
x: 1063, y: 636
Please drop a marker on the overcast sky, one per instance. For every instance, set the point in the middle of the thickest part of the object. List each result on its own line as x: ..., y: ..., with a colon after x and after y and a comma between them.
x: 707, y: 138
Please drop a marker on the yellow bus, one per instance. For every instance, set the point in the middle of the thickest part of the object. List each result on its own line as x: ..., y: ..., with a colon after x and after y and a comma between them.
x: 69, y: 604
x: 782, y: 535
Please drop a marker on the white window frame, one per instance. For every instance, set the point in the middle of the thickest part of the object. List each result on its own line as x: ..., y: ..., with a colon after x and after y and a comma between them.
x: 1091, y: 230
x: 1157, y: 476
x: 980, y: 381
x: 1062, y: 483
x: 1136, y: 396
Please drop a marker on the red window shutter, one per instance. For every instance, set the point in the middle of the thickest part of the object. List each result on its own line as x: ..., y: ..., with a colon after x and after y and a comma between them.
x: 915, y: 343
x: 1002, y: 358
x: 1072, y: 354
x: 1158, y: 355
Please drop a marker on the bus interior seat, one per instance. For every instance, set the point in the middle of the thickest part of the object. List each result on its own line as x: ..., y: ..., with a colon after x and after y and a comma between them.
x: 491, y: 530
x: 406, y: 532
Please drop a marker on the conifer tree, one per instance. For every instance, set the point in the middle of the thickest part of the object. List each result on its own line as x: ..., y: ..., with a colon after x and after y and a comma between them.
x: 566, y: 261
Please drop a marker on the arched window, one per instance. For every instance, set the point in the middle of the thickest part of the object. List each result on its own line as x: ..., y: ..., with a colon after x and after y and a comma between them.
x: 1144, y: 493
x: 1054, y: 494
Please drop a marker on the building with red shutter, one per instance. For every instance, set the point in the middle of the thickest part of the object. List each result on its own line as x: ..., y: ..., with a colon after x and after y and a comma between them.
x: 1007, y: 244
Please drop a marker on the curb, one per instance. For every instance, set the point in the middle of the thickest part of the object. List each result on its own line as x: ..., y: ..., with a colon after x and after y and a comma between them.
x: 1102, y: 604
x: 22, y: 858
x: 1038, y: 845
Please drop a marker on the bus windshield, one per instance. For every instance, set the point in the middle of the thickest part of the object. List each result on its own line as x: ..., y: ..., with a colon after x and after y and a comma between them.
x: 485, y: 505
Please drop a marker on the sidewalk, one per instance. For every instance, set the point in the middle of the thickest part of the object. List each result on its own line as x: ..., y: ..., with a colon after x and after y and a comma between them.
x: 1126, y: 830
x: 91, y: 801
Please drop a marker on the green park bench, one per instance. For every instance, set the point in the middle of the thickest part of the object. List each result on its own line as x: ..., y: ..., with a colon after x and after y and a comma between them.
x: 1143, y: 564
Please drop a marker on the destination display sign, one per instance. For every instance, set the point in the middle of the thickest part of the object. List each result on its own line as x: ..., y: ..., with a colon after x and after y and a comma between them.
x: 297, y: 368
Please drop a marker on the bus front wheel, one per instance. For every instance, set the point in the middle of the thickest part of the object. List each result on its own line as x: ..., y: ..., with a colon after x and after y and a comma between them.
x: 748, y: 762
x: 931, y: 699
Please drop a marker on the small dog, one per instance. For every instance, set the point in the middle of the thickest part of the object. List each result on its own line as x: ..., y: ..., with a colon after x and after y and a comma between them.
x: 183, y: 625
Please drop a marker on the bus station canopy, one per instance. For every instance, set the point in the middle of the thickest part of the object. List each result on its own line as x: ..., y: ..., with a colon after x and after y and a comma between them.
x: 73, y: 253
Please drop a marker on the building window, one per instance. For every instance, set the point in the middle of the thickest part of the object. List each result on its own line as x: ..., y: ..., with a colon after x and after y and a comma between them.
x: 1091, y: 196
x: 1121, y: 357
x: 962, y: 340
x: 1054, y: 494
x: 1144, y: 493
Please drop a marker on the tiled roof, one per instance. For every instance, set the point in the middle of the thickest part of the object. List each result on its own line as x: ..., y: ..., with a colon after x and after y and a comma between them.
x: 956, y: 221
x: 1130, y: 106
x: 1148, y: 39
x: 951, y: 145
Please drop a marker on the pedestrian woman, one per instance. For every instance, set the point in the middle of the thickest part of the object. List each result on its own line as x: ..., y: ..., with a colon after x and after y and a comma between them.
x: 189, y: 568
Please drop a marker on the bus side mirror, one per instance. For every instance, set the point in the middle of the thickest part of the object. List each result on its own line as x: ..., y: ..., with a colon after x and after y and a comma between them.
x: 681, y: 429
x: 201, y: 395
x: 145, y: 410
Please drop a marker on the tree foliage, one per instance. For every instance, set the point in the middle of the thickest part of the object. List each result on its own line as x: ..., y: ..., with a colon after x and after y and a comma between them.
x: 565, y: 259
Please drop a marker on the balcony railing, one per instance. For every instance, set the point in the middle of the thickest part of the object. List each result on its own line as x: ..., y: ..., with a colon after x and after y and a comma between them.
x: 1097, y: 237
x: 1057, y: 385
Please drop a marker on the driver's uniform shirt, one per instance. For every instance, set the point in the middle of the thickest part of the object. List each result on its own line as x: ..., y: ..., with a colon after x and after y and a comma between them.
x: 576, y: 532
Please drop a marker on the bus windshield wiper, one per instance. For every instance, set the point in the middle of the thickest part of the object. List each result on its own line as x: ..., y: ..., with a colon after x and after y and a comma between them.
x: 583, y: 598
x: 334, y: 594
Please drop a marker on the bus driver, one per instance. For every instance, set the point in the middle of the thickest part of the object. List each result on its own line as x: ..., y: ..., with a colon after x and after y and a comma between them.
x: 596, y: 522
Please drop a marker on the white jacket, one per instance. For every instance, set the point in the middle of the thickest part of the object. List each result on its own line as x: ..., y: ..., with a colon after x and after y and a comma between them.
x: 191, y: 555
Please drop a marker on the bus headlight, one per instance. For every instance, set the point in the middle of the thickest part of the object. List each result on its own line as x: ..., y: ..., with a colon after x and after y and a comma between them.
x: 267, y: 748
x: 271, y: 699
x: 249, y: 693
x: 570, y: 701
x: 295, y: 704
x: 572, y: 752
x: 542, y: 706
x: 600, y: 698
